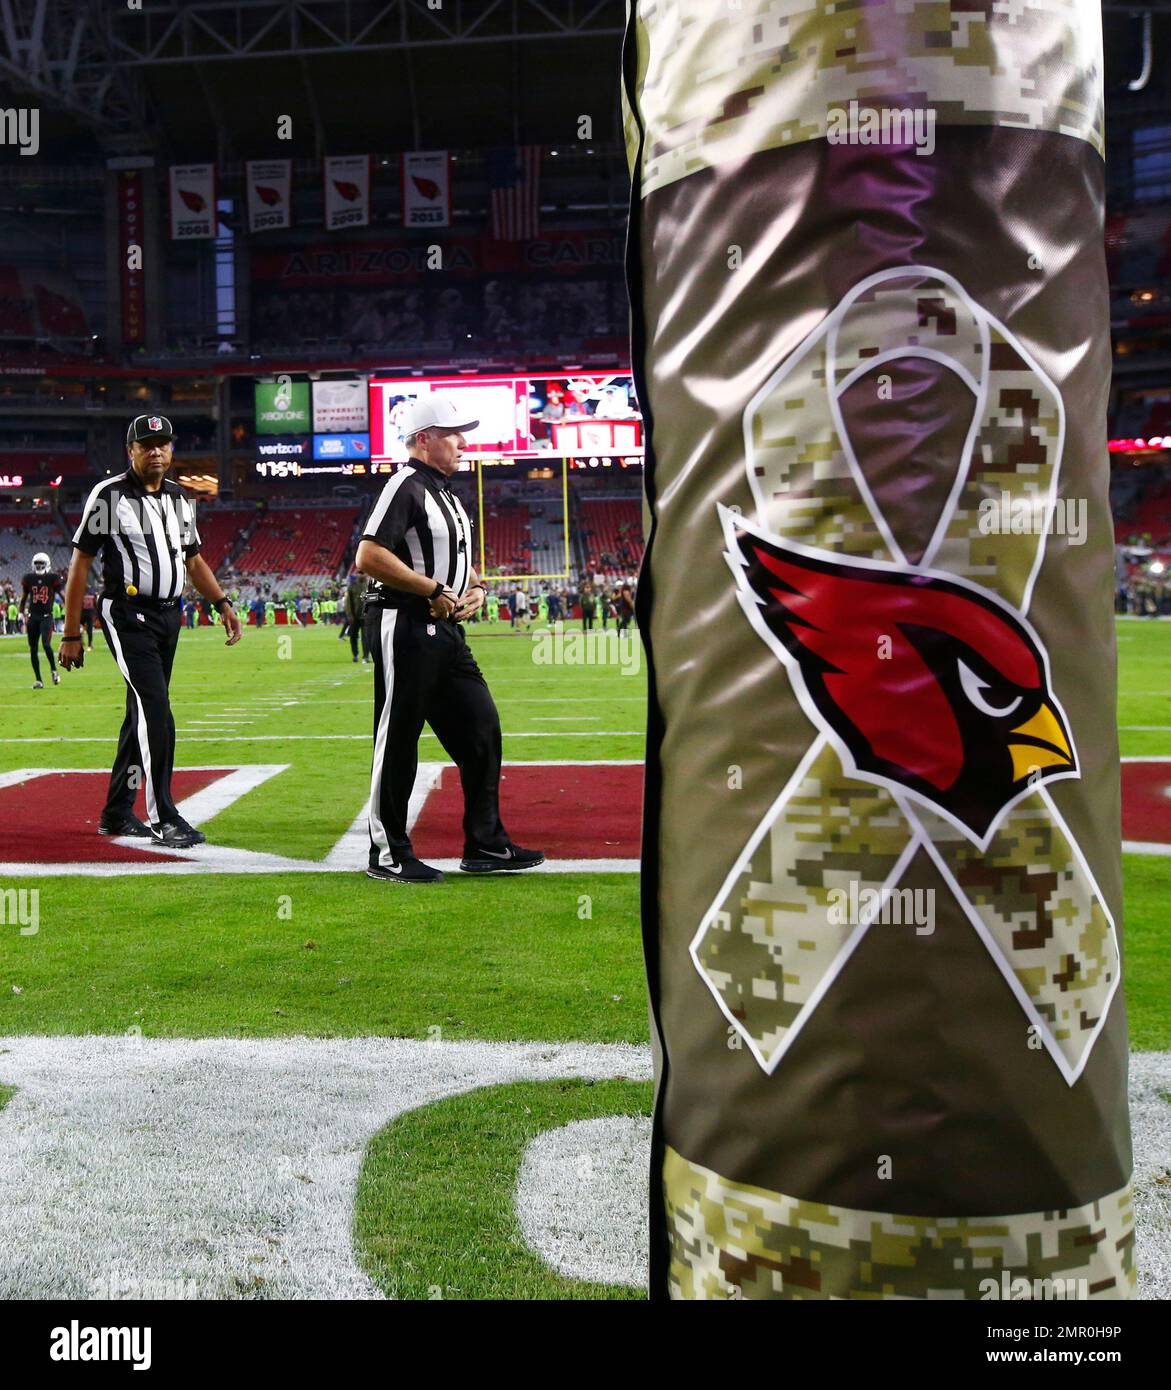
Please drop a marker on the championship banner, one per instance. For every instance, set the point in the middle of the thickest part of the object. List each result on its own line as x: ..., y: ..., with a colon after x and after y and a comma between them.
x: 193, y: 201
x: 426, y: 189
x: 347, y: 191
x: 270, y: 183
x: 881, y: 869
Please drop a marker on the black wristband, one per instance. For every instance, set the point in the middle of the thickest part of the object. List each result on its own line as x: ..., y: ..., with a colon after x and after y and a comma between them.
x: 438, y: 589
x: 218, y: 603
x: 66, y: 638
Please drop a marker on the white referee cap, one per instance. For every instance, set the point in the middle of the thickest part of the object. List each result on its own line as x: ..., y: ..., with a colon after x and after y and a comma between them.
x: 433, y: 412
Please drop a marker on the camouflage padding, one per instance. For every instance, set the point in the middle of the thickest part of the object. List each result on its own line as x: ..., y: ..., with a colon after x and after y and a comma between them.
x: 726, y: 81
x: 1040, y: 913
x: 774, y: 939
x: 801, y: 465
x: 729, y: 1240
x: 765, y: 947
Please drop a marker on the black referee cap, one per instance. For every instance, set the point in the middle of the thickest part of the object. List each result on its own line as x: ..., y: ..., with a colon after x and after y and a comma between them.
x: 144, y: 427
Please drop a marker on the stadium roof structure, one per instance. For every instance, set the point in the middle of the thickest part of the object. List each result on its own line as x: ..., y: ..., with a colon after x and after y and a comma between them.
x: 183, y: 80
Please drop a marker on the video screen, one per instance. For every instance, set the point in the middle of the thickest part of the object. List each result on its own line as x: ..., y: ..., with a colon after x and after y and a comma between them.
x: 564, y: 416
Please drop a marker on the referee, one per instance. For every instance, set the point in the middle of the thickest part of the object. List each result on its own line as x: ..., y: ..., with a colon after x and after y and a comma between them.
x: 144, y: 529
x: 417, y: 552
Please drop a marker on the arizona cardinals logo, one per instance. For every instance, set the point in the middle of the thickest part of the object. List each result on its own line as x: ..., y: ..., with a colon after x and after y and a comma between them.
x: 269, y: 196
x: 428, y: 188
x: 922, y: 682
x: 349, y: 191
x: 193, y: 200
x: 909, y: 651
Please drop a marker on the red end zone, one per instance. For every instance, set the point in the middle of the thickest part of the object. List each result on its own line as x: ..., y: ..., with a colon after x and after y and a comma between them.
x: 569, y: 810
x: 585, y: 817
x: 52, y: 817
x: 1146, y: 805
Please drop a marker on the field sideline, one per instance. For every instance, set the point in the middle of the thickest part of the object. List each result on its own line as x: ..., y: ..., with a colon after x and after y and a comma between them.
x: 278, y: 960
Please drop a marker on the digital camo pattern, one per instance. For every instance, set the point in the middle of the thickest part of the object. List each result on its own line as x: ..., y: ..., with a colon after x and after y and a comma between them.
x: 817, y: 493
x: 724, y: 81
x: 729, y: 1240
x: 778, y: 934
x: 1042, y: 918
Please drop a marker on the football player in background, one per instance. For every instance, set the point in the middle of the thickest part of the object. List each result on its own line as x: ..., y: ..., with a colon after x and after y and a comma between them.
x: 39, y: 590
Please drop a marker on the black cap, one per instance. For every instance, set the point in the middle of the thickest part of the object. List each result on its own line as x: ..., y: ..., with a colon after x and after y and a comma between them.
x: 144, y: 427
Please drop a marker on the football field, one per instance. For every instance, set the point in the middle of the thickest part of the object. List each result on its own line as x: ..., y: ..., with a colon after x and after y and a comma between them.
x: 250, y: 1071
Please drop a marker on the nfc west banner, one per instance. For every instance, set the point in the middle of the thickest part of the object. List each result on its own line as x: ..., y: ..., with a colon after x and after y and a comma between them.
x: 881, y: 881
x: 426, y: 189
x: 347, y: 191
x: 193, y: 201
x: 269, y: 189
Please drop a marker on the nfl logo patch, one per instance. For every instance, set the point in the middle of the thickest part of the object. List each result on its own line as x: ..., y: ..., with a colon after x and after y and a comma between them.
x: 430, y: 629
x: 154, y: 423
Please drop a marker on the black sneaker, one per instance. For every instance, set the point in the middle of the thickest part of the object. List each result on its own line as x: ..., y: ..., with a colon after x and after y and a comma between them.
x: 172, y: 835
x: 189, y: 829
x: 493, y: 861
x: 128, y: 825
x: 407, y: 870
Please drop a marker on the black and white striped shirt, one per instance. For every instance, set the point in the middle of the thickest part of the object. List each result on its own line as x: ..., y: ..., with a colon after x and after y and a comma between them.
x: 419, y: 519
x: 144, y: 538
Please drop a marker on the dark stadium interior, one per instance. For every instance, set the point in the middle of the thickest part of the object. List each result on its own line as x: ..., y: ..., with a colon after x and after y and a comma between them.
x: 177, y: 84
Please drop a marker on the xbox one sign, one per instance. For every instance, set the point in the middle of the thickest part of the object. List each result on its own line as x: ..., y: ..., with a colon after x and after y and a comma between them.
x: 282, y: 406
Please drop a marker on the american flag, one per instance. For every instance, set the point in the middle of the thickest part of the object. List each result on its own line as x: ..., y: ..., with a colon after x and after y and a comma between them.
x: 514, y: 178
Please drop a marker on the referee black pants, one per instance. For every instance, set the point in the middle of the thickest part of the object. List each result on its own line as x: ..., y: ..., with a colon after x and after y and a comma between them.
x: 143, y: 640
x: 424, y: 672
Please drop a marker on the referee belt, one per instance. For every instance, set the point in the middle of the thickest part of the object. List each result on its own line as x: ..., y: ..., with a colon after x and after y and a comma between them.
x: 142, y: 600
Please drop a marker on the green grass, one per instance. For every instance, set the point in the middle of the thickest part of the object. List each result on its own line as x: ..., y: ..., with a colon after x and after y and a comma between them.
x: 305, y: 810
x: 496, y: 958
x: 427, y: 1228
x: 490, y: 959
x: 6, y: 1094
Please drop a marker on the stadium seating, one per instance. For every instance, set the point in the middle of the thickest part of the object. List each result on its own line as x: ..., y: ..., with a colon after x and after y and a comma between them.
x: 21, y: 538
x: 219, y: 530
x: 1149, y: 517
x: 610, y: 530
x: 299, y: 541
x: 548, y: 540
x: 508, y: 541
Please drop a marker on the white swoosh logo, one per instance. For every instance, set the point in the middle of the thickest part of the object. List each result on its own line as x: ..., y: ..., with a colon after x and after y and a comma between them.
x: 496, y: 853
x: 395, y: 868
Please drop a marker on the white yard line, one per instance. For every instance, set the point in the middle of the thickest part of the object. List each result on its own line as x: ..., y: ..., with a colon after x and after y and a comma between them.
x: 215, y: 1162
x: 149, y: 1163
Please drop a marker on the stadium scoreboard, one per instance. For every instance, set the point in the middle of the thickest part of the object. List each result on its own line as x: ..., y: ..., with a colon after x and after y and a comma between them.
x: 352, y: 426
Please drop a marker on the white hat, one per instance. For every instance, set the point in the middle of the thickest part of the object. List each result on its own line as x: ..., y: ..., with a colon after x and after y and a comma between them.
x: 433, y: 412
